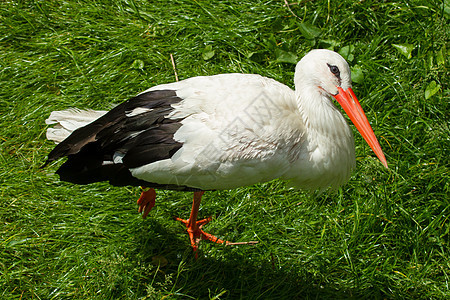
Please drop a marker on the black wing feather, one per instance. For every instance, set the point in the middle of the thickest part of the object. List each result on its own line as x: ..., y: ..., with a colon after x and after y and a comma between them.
x: 141, y: 139
x: 152, y: 145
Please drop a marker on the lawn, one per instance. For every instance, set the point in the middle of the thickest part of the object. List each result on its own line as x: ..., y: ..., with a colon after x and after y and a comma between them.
x: 383, y: 235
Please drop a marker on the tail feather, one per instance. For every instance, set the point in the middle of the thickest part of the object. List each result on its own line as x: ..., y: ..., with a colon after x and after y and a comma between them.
x: 67, y: 121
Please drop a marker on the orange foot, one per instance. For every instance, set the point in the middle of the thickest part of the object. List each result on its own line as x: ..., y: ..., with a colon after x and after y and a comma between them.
x: 146, y: 201
x: 196, y: 234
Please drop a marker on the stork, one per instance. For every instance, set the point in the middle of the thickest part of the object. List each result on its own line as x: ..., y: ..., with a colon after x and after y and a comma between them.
x: 219, y: 132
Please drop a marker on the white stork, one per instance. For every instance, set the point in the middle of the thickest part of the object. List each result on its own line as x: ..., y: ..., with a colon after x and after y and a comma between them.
x: 219, y: 132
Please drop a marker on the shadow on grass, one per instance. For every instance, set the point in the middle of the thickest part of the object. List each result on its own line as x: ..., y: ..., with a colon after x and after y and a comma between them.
x: 244, y: 271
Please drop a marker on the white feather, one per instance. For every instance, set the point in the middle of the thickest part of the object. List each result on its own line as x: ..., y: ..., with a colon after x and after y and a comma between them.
x: 67, y: 121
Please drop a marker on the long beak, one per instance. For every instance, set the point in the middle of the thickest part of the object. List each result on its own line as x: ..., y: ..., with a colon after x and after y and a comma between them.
x: 350, y: 104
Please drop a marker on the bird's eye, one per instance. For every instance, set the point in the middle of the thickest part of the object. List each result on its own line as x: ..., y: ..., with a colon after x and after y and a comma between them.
x: 334, y: 70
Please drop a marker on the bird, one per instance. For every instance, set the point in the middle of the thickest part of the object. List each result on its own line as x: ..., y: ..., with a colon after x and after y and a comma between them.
x: 219, y: 132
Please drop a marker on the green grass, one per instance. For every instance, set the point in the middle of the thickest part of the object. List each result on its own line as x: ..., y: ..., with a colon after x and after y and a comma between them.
x: 384, y: 235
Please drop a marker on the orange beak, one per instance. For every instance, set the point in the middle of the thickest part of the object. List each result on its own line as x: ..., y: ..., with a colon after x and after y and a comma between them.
x: 350, y: 104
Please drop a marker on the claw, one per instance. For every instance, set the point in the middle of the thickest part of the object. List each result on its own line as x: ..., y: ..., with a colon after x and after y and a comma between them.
x: 196, y: 233
x: 194, y: 227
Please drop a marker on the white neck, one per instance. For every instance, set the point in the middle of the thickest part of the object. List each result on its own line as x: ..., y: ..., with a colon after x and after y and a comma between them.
x: 328, y: 153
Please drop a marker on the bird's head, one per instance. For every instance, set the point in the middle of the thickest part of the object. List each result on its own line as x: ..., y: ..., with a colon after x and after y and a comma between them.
x: 326, y: 72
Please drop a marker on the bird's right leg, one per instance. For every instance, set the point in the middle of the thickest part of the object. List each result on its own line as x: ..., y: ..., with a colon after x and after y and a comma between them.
x: 194, y: 226
x: 146, y: 201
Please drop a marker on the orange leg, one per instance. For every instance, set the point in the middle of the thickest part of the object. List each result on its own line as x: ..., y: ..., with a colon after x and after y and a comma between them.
x: 146, y: 201
x: 194, y: 227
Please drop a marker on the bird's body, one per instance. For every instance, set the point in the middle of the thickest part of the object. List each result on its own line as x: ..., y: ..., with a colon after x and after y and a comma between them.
x: 219, y: 132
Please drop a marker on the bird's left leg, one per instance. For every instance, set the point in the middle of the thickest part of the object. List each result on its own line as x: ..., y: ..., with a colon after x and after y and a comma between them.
x: 146, y: 201
x: 194, y: 227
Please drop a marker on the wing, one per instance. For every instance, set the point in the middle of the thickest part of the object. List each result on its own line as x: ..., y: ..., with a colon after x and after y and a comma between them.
x: 213, y: 132
x: 133, y: 133
x: 237, y: 130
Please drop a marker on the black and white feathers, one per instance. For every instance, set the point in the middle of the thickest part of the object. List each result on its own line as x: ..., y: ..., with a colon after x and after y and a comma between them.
x: 130, y: 135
